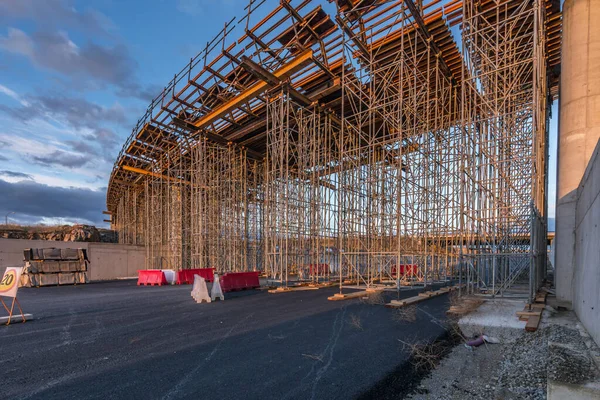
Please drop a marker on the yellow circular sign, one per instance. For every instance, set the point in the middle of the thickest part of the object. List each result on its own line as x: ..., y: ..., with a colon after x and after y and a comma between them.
x: 8, y: 281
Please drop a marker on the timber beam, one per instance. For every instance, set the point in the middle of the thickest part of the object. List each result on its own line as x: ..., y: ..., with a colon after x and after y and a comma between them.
x: 283, y: 73
x: 430, y: 40
x: 153, y: 174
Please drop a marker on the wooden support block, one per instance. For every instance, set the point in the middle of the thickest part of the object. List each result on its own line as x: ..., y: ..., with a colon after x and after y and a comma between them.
x: 528, y: 313
x: 405, y: 302
x: 541, y: 297
x: 348, y: 296
x: 532, y: 323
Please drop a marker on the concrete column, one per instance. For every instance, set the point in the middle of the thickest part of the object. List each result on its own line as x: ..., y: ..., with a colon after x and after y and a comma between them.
x: 579, y: 125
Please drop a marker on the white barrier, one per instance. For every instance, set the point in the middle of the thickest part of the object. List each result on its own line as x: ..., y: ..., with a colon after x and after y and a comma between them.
x: 199, y: 290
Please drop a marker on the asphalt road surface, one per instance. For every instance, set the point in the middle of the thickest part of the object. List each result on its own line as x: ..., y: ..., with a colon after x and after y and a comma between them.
x: 118, y: 340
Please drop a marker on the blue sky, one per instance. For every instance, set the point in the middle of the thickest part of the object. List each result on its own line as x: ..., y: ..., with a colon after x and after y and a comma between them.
x: 74, y: 78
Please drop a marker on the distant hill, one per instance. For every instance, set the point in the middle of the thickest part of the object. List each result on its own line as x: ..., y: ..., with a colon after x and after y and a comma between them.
x: 63, y: 233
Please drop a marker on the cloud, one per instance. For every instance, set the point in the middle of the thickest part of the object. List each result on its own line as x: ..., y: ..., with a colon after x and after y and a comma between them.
x: 138, y: 91
x: 105, y: 142
x: 17, y: 42
x: 91, y: 66
x: 14, y: 174
x: 105, y: 137
x: 57, y: 13
x: 34, y: 202
x: 12, y: 94
x: 2, y: 158
x: 94, y: 139
x: 77, y: 112
x: 61, y: 158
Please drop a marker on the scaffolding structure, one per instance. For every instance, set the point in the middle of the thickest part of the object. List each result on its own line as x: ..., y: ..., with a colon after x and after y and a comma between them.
x: 378, y: 147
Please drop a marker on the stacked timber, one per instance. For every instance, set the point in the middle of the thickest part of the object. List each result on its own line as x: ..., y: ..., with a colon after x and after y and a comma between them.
x: 49, y: 267
x: 532, y: 313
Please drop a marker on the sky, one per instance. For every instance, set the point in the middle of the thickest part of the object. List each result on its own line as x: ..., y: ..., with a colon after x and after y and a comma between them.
x: 74, y: 78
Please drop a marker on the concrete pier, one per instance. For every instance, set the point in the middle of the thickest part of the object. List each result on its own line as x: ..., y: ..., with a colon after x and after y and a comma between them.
x: 579, y: 125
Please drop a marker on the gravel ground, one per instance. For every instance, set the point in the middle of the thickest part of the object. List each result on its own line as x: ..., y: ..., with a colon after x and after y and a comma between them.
x: 492, y: 371
x: 513, y: 371
x: 569, y: 359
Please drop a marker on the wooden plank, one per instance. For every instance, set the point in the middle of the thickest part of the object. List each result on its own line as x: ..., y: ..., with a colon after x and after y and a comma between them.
x: 541, y: 297
x: 293, y: 289
x: 415, y: 299
x: 532, y: 323
x: 153, y: 174
x: 528, y: 313
x: 405, y: 302
x: 355, y: 295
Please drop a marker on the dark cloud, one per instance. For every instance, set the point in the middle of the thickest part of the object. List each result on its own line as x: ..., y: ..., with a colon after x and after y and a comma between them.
x: 2, y: 158
x: 100, y: 143
x: 146, y: 93
x: 77, y: 112
x: 33, y: 201
x: 14, y: 174
x: 105, y: 137
x: 95, y: 141
x: 83, y: 147
x: 57, y: 13
x: 60, y: 158
x: 91, y: 66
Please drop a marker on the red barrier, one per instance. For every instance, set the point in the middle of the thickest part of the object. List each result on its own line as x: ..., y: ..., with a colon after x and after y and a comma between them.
x: 151, y: 277
x: 187, y: 275
x: 319, y: 269
x: 233, y: 281
x: 405, y: 270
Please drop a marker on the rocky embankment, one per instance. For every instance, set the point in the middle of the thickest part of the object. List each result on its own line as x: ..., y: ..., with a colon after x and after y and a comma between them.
x: 65, y: 233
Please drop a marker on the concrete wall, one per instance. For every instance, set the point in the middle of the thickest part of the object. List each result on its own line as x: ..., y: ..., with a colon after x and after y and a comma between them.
x: 110, y: 261
x: 107, y: 260
x: 579, y: 125
x: 586, y: 275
